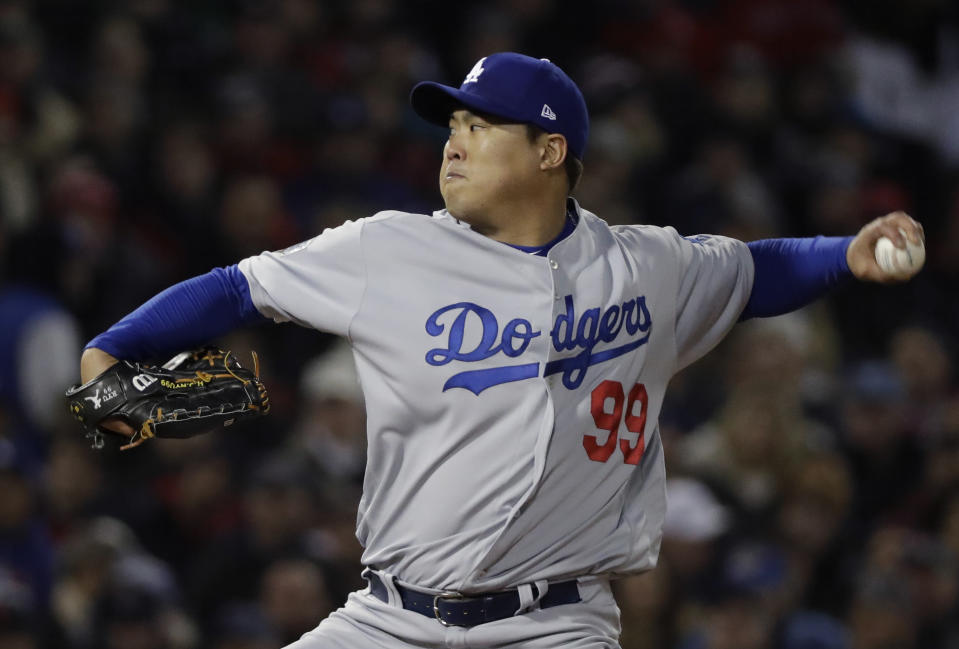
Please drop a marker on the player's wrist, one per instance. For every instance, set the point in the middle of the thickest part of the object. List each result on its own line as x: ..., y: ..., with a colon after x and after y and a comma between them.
x: 94, y: 362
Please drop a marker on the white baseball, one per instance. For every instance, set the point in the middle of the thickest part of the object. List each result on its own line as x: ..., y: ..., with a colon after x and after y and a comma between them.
x: 900, y: 262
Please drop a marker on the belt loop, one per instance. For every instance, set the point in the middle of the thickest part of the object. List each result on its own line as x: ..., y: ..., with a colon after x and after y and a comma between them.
x: 526, y: 599
x: 394, y: 595
x: 543, y: 587
x: 529, y: 598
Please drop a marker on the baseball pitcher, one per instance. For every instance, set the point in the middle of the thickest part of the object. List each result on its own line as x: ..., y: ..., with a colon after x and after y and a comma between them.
x: 514, y: 351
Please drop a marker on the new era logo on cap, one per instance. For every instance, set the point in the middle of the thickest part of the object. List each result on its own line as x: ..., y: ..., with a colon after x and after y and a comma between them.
x: 514, y: 87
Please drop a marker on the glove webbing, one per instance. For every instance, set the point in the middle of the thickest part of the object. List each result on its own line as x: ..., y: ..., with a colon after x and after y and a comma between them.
x: 147, y: 431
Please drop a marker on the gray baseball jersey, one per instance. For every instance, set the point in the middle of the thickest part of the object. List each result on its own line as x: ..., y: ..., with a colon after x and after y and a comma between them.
x: 512, y: 399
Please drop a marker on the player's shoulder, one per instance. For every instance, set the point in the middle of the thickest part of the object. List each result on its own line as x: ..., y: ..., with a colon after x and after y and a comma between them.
x: 395, y: 225
x: 361, y: 228
x: 398, y: 219
x: 651, y: 240
x: 632, y: 235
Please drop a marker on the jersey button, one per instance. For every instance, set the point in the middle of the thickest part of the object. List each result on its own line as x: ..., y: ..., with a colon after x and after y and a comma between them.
x: 553, y: 264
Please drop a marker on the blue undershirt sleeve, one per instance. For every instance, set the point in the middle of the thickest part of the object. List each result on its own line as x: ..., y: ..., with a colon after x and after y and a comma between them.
x: 791, y: 273
x: 183, y: 316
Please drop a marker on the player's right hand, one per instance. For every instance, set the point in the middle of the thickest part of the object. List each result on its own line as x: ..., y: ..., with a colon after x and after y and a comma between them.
x: 93, y: 363
x: 861, y: 252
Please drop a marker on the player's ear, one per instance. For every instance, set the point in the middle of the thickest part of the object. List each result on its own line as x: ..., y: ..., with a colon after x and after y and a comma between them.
x: 554, y: 152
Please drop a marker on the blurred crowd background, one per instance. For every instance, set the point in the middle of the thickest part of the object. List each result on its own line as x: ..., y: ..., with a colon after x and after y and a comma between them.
x: 813, y: 458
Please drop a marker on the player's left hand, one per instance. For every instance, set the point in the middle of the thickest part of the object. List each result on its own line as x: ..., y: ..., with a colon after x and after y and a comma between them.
x: 861, y: 254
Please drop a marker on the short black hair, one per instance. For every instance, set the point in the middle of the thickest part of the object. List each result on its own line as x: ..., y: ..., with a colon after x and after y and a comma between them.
x: 572, y: 164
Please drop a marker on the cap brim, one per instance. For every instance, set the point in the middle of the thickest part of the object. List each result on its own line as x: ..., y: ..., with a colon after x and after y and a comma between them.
x: 435, y: 102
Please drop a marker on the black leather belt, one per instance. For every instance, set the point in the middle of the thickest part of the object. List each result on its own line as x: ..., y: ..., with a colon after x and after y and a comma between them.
x: 453, y: 609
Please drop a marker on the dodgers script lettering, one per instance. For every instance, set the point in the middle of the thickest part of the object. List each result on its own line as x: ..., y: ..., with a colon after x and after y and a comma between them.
x: 467, y: 321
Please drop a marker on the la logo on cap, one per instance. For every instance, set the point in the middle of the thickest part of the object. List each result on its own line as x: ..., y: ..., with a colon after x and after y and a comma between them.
x: 475, y: 73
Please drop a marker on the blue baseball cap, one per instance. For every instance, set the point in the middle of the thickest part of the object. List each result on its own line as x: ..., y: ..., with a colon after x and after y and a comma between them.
x: 513, y: 87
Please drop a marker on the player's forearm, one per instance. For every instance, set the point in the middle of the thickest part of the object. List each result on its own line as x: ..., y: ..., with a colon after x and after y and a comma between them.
x: 791, y: 273
x: 185, y: 315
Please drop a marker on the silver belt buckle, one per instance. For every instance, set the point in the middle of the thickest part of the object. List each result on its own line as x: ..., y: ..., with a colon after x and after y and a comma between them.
x: 436, y: 609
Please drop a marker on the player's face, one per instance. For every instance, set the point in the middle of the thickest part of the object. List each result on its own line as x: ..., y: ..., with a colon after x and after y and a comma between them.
x: 487, y: 165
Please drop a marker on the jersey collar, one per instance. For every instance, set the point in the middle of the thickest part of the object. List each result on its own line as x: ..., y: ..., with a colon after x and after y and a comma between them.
x: 541, y: 251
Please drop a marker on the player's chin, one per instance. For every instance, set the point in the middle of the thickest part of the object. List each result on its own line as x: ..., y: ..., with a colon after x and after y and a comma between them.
x: 467, y: 216
x: 458, y: 213
x: 456, y: 203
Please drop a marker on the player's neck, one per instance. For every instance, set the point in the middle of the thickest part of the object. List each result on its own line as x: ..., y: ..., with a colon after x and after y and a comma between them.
x: 534, y: 224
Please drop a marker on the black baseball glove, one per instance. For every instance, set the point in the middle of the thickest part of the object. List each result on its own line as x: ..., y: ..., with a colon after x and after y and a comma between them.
x: 192, y: 393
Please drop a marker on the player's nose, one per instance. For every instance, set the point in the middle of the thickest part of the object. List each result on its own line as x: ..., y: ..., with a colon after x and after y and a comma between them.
x: 454, y: 149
